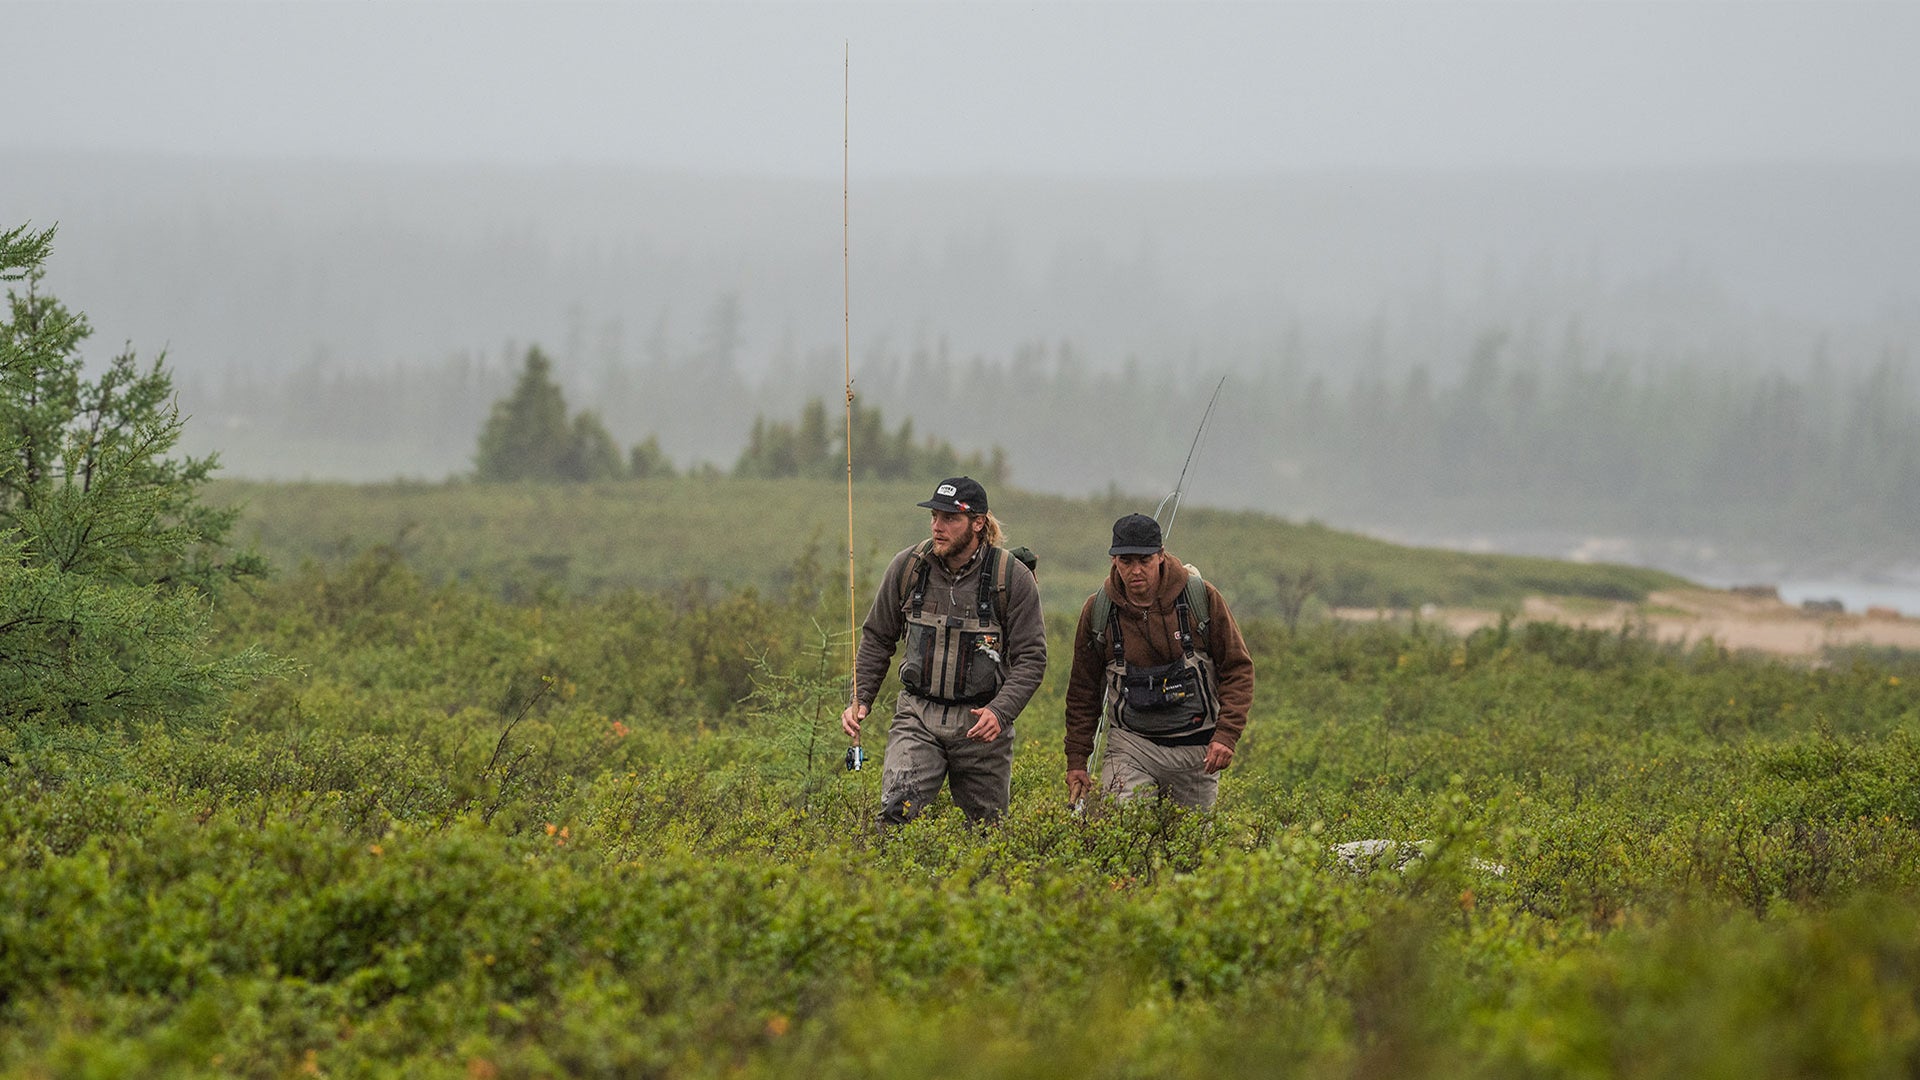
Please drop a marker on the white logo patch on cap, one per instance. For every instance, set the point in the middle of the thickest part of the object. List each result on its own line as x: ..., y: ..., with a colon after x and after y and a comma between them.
x: 948, y: 490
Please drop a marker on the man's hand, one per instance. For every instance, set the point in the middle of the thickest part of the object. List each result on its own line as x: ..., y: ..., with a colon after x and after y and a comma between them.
x: 1079, y: 784
x: 850, y: 720
x: 1219, y: 756
x: 986, y: 727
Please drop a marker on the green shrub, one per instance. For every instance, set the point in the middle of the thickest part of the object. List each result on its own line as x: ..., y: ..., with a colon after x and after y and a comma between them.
x: 607, y: 835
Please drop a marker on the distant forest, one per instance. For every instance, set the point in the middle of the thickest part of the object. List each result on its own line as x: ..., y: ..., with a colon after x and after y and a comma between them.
x: 1720, y: 356
x: 1825, y: 460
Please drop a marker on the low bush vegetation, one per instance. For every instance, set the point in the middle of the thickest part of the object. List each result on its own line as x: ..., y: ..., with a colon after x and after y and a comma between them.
x: 607, y: 834
x: 662, y: 534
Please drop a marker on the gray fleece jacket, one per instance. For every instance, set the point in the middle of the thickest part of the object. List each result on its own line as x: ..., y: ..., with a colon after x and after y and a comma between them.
x: 948, y: 591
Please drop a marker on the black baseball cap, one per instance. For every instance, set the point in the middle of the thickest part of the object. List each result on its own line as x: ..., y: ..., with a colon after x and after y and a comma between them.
x: 959, y: 495
x: 1135, y: 534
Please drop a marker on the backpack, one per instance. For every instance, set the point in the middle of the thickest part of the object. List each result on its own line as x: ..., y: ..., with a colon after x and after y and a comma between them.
x: 1028, y: 559
x: 913, y: 576
x: 1195, y: 596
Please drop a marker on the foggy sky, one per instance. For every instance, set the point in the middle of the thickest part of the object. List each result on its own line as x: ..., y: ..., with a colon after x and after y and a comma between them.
x: 265, y: 188
x: 1175, y: 89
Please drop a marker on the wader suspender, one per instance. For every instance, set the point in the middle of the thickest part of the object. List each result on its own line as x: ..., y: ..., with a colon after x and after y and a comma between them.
x: 983, y: 600
x: 954, y: 667
x: 1186, y: 630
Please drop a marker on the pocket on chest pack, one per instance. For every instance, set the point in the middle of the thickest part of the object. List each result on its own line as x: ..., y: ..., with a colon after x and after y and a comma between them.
x: 1165, y: 700
x: 980, y: 659
x: 916, y: 660
x: 952, y: 664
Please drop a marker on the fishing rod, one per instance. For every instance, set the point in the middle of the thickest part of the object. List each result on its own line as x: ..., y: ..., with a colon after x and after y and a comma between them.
x: 856, y: 754
x: 1100, y: 732
x: 1180, y: 485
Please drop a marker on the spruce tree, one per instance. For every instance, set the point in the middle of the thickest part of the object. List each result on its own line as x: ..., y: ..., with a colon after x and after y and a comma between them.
x: 647, y: 459
x: 777, y: 449
x: 109, y: 561
x: 591, y: 452
x: 528, y: 436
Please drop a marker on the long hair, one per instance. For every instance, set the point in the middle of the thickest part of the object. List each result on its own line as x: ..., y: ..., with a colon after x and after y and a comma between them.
x: 991, y: 533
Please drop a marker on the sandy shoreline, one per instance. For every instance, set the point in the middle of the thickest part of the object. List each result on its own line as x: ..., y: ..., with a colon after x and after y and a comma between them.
x: 1740, y: 622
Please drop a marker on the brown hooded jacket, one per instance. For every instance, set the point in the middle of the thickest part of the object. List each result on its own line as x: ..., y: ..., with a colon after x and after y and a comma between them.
x: 1150, y: 636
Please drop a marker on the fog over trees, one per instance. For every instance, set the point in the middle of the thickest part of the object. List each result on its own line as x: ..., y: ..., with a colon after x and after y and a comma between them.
x: 1431, y: 355
x: 266, y: 267
x: 1547, y: 276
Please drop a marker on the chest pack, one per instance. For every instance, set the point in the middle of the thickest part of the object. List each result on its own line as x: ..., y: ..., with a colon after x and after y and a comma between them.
x: 1172, y: 700
x: 957, y: 657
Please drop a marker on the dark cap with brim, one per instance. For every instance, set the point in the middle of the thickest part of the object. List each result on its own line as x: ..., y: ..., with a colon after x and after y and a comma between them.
x: 1135, y: 534
x: 959, y: 495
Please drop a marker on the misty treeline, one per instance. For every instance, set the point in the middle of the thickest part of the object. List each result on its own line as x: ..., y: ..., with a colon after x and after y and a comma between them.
x: 816, y: 446
x: 1515, y: 435
x: 532, y: 434
x: 1549, y: 439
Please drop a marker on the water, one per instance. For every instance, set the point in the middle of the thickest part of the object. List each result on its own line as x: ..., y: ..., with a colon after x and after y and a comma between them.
x: 1857, y: 594
x: 1857, y: 588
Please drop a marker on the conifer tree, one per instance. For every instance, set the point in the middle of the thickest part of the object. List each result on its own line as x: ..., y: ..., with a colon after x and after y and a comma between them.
x: 647, y: 459
x: 109, y: 562
x: 528, y: 436
x: 813, y: 443
x: 777, y: 449
x: 591, y: 452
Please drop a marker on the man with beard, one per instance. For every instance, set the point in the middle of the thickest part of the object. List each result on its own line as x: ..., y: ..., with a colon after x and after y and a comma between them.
x: 975, y: 652
x: 1157, y: 647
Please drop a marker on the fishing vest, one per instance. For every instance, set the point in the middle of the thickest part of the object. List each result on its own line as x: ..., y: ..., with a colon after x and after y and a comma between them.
x: 960, y: 657
x: 1163, y: 700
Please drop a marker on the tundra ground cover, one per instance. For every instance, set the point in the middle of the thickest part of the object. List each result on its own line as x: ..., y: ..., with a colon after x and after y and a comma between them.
x: 606, y: 835
x: 662, y: 533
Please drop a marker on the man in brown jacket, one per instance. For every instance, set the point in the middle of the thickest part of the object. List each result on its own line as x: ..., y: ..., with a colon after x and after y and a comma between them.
x: 975, y: 653
x: 1174, y: 677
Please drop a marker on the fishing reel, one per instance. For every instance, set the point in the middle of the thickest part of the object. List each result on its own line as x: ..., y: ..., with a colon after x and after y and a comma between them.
x: 856, y: 758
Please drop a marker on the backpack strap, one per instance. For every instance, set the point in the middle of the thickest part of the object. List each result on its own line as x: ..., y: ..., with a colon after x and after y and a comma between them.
x: 995, y: 573
x: 1183, y: 610
x: 913, y: 576
x: 1002, y: 574
x: 993, y: 585
x: 1196, y: 598
x: 1101, y: 615
x: 1192, y: 604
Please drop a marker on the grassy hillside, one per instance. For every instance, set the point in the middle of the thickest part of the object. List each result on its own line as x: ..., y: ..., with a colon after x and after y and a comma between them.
x: 662, y: 534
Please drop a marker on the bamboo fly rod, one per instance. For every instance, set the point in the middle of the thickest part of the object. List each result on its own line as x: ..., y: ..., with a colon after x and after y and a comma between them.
x: 854, y: 756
